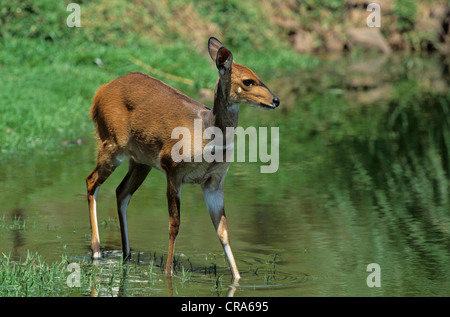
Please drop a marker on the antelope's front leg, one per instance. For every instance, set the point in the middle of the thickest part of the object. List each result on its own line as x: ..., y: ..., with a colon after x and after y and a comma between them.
x: 215, y: 205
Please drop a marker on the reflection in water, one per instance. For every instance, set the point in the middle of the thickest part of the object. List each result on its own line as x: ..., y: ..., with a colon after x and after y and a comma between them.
x: 121, y: 278
x: 363, y: 178
x: 18, y: 219
x: 113, y: 276
x: 386, y: 173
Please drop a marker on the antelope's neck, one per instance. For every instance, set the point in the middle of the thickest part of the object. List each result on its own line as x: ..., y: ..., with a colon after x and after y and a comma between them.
x: 224, y: 113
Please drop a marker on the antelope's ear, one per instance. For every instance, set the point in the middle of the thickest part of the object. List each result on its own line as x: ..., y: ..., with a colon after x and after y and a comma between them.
x: 224, y: 61
x: 213, y: 47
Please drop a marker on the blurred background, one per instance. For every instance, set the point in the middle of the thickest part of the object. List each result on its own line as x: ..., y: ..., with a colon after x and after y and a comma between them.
x: 364, y: 136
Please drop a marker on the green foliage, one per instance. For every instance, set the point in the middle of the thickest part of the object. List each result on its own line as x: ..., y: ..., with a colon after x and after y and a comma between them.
x: 243, y: 24
x: 33, y: 19
x: 406, y: 11
x: 319, y: 4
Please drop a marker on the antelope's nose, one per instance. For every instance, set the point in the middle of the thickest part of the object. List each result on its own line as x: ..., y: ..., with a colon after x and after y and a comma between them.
x: 276, y: 101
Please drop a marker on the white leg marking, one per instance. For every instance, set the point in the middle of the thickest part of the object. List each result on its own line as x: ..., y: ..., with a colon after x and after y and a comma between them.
x: 95, y: 201
x: 94, y: 224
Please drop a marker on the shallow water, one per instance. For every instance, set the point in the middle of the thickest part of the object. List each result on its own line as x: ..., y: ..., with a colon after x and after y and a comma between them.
x: 363, y: 178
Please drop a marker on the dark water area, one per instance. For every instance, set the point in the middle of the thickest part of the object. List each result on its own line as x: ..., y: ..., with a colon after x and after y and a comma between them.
x: 363, y: 178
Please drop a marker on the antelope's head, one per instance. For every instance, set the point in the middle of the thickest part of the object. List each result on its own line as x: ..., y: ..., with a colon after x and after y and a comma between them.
x: 240, y: 84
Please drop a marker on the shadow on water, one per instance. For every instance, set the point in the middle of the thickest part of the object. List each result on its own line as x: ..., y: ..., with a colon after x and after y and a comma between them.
x: 363, y: 178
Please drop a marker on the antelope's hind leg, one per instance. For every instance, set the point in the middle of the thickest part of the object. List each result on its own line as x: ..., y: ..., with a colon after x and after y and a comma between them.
x: 134, y: 178
x: 107, y: 161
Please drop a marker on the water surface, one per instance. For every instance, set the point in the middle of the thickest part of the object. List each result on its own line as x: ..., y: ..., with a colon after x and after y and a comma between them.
x: 363, y: 178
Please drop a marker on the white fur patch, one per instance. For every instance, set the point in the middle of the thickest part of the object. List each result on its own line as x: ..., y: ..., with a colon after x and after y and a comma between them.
x: 224, y: 148
x: 234, y: 107
x: 94, y: 204
x: 120, y: 158
x: 96, y: 255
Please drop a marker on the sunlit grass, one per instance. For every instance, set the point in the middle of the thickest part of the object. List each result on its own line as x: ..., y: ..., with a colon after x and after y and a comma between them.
x: 46, y: 96
x: 32, y: 277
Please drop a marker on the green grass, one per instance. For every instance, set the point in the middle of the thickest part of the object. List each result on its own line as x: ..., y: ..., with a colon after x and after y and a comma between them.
x: 50, y: 72
x: 44, y: 100
x: 16, y: 223
x: 35, y: 277
x: 32, y: 277
x: 46, y: 95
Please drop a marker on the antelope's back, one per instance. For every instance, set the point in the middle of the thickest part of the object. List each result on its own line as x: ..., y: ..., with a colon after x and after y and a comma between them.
x: 139, y: 112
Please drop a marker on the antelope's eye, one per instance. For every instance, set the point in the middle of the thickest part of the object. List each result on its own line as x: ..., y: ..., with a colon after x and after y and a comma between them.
x: 248, y: 82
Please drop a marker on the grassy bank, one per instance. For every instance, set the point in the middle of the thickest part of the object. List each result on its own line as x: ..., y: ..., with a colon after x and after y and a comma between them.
x: 47, y: 88
x: 50, y: 72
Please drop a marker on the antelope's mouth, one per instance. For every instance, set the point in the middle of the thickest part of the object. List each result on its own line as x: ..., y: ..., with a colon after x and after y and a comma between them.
x: 267, y: 107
